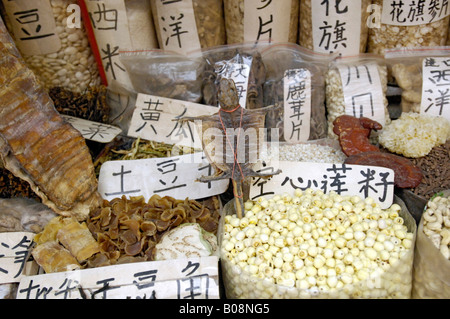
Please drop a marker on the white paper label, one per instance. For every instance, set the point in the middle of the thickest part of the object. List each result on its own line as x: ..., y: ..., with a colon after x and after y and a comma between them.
x: 177, y: 26
x: 14, y: 252
x: 239, y: 73
x: 171, y: 176
x: 93, y: 131
x: 33, y: 26
x: 436, y: 87
x: 364, y: 181
x: 155, y: 119
x: 193, y: 278
x: 413, y: 12
x: 336, y: 26
x: 363, y: 94
x: 297, y: 105
x: 110, y: 23
x: 267, y: 20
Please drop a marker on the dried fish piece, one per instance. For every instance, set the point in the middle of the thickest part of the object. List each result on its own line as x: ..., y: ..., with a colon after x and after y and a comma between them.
x: 55, y: 159
x: 53, y: 257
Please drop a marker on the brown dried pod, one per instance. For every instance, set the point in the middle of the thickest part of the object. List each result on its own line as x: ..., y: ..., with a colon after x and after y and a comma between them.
x: 37, y: 145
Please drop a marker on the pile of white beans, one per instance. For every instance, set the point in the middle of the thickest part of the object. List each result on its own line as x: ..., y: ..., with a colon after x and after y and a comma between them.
x: 316, y: 245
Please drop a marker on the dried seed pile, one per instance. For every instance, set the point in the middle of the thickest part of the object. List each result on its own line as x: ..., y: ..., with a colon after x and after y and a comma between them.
x: 436, y: 170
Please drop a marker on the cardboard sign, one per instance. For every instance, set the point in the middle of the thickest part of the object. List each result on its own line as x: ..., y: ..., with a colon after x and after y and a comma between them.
x: 171, y: 176
x: 192, y: 278
x: 364, y: 181
x: 413, y: 12
x: 14, y: 256
x: 93, y: 131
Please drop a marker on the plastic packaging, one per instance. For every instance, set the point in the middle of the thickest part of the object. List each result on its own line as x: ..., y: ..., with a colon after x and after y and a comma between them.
x: 255, y: 20
x: 303, y: 99
x: 240, y: 62
x: 406, y: 67
x: 357, y: 86
x: 331, y: 28
x: 408, y: 24
x: 431, y: 270
x: 54, y: 47
x: 394, y: 282
x: 189, y: 25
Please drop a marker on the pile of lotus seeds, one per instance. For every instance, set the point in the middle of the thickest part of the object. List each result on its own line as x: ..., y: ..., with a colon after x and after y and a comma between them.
x: 318, y: 245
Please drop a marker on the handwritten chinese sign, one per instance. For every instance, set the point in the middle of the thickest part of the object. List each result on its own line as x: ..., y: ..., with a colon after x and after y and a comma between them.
x: 297, y: 105
x: 171, y: 176
x: 93, y: 131
x: 33, y: 26
x: 413, y: 12
x: 336, y: 25
x: 363, y: 92
x: 364, y: 181
x: 193, y: 278
x: 110, y: 24
x: 436, y: 87
x: 14, y: 252
x: 177, y: 26
x: 155, y: 119
x: 266, y: 20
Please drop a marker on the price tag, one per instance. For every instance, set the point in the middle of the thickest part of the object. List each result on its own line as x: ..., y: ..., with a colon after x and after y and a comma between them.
x: 14, y: 252
x: 364, y: 181
x: 413, y: 12
x: 97, y: 132
x: 175, y: 176
x: 191, y: 278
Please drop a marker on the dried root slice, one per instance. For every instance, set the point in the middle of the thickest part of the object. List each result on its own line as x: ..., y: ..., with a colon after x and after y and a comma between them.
x: 53, y: 257
x: 407, y: 175
x: 77, y: 238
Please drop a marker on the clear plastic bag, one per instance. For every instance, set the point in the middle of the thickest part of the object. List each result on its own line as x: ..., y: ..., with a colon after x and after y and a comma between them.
x: 408, y: 28
x: 431, y: 276
x: 394, y: 282
x: 165, y: 74
x: 250, y: 21
x: 406, y: 66
x: 240, y: 62
x: 357, y: 86
x: 281, y: 61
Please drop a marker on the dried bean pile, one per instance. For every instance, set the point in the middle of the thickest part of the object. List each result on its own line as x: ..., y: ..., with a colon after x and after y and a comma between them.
x: 436, y: 171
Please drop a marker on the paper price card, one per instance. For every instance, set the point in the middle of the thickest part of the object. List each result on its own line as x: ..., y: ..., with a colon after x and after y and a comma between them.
x: 155, y: 119
x: 171, y: 176
x: 364, y: 181
x: 191, y: 278
x: 14, y: 252
x: 436, y: 87
x: 93, y: 131
x: 413, y: 12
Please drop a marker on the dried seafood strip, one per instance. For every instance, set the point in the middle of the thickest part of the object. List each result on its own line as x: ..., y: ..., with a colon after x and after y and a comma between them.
x: 128, y: 230
x: 53, y: 257
x: 37, y: 145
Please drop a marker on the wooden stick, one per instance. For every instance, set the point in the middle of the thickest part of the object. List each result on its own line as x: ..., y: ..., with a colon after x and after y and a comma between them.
x: 238, y: 198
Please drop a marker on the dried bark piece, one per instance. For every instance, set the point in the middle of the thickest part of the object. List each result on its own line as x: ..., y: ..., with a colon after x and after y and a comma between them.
x: 407, y: 175
x: 53, y: 257
x: 37, y: 145
x: 354, y: 133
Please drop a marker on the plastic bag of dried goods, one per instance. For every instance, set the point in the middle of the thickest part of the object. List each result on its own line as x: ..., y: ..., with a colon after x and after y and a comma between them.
x: 327, y: 26
x: 240, y: 62
x: 119, y: 25
x: 295, y: 78
x: 189, y: 25
x: 53, y: 46
x: 431, y: 276
x: 256, y: 20
x: 420, y: 92
x: 408, y: 23
x: 283, y: 266
x: 357, y: 86
x: 165, y: 74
